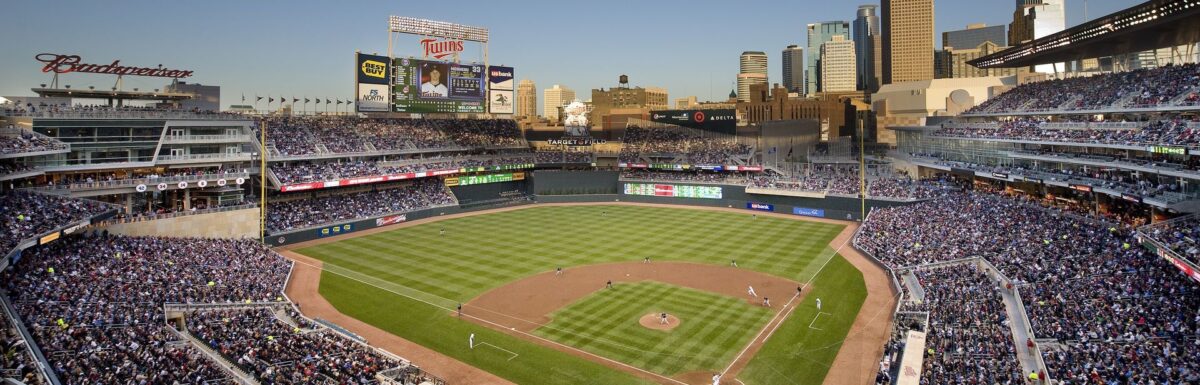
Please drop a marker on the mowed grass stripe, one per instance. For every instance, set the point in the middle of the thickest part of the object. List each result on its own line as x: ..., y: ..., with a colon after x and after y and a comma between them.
x: 606, y: 323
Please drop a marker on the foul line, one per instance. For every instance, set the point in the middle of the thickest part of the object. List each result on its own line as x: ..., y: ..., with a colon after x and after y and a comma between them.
x: 784, y: 311
x: 514, y: 355
x: 501, y: 327
x: 810, y: 324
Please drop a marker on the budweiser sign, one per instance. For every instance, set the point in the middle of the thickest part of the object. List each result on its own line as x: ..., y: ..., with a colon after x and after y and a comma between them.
x: 441, y: 48
x: 63, y: 64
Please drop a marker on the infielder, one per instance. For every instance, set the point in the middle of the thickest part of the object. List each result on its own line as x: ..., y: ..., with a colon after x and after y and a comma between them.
x: 750, y: 291
x: 717, y: 379
x: 766, y: 302
x: 733, y: 262
x: 558, y: 270
x: 663, y: 319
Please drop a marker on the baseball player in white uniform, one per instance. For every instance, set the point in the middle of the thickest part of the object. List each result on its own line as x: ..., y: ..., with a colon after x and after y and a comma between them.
x: 717, y: 379
x: 818, y: 304
x: 472, y: 340
x: 750, y: 291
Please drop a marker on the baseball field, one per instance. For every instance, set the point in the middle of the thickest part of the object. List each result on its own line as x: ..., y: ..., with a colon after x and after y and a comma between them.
x: 533, y: 325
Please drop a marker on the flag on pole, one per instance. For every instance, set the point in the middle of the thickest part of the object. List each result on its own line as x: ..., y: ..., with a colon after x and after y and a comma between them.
x: 257, y: 98
x: 270, y: 100
x: 243, y: 97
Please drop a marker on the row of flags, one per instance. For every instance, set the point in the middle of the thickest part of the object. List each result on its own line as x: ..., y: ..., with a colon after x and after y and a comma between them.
x: 271, y: 99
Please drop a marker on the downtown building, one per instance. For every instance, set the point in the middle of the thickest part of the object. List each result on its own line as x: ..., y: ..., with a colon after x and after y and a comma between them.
x: 819, y: 33
x: 553, y: 99
x: 793, y: 69
x: 1035, y: 19
x: 752, y: 69
x: 908, y: 37
x: 838, y: 63
x: 867, y: 48
x: 526, y: 99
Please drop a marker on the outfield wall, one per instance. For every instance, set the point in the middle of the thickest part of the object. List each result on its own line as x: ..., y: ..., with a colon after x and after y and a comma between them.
x: 734, y: 196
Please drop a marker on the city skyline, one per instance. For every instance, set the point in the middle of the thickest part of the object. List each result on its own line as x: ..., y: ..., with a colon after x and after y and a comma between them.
x: 263, y: 49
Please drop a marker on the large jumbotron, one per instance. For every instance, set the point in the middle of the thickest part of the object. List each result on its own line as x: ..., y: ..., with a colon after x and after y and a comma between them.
x: 422, y: 233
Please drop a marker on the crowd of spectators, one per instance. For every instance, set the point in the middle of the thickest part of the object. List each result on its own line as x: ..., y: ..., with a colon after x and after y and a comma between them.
x: 26, y: 215
x: 94, y: 302
x: 25, y: 141
x: 336, y: 207
x: 13, y: 168
x: 1113, y: 179
x: 1139, y: 88
x: 695, y: 149
x: 844, y: 179
x: 1172, y: 132
x: 299, y: 136
x: 309, y: 171
x: 969, y: 340
x: 563, y: 157
x: 15, y: 360
x: 292, y: 351
x: 1085, y: 283
x: 1181, y: 236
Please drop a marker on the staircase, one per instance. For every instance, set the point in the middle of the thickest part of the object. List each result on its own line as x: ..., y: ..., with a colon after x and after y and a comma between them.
x: 234, y: 371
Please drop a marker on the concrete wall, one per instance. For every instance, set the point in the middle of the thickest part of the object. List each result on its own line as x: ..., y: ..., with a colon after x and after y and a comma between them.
x: 228, y: 224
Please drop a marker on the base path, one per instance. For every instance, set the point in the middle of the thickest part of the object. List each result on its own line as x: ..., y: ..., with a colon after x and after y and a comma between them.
x: 302, y: 289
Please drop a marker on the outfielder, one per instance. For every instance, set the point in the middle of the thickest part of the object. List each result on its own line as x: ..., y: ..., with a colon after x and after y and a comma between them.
x: 472, y: 340
x: 818, y: 304
x: 750, y: 291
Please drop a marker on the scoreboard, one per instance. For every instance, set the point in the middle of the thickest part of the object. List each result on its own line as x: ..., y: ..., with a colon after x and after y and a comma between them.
x: 673, y: 190
x: 424, y: 86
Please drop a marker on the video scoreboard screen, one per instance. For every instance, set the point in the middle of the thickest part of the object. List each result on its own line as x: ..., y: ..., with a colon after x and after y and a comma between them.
x: 423, y: 86
x: 673, y: 190
x: 467, y: 180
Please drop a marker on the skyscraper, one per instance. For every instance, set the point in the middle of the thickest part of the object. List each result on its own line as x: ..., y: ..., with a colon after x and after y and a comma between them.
x: 838, y: 65
x: 974, y: 35
x: 1035, y: 19
x: 907, y: 40
x: 556, y: 97
x: 752, y: 70
x: 866, y: 62
x: 526, y: 98
x: 793, y: 68
x: 818, y: 34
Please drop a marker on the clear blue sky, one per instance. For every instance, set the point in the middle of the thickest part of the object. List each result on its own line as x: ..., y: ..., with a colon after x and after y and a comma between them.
x: 306, y: 48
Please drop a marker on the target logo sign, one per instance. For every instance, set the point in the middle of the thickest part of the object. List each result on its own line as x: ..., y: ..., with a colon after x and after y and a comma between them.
x: 698, y: 117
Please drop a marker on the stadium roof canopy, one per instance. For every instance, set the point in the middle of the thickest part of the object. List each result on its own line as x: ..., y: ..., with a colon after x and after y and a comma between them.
x: 1150, y: 25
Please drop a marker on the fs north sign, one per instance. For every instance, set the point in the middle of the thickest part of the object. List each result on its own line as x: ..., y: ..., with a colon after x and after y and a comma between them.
x: 438, y: 49
x: 65, y: 64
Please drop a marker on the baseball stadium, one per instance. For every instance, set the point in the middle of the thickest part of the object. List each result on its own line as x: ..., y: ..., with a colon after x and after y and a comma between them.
x: 1039, y: 228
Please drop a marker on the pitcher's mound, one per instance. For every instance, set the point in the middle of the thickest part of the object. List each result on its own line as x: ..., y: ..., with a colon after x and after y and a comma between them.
x: 654, y: 321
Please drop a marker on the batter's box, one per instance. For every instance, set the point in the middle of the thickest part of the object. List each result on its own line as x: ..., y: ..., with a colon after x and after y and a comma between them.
x: 513, y: 355
x: 814, y: 321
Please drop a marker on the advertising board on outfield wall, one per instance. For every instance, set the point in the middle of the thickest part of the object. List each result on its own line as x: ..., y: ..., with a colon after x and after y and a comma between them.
x: 820, y: 213
x: 395, y: 177
x: 330, y: 231
x: 677, y: 167
x: 760, y: 206
x: 673, y: 190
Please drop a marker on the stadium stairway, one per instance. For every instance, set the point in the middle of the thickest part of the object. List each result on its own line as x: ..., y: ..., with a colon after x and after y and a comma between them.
x: 230, y: 368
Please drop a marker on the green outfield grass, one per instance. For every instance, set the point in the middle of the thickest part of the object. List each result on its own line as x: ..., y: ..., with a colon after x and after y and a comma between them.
x: 405, y: 281
x: 712, y: 329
